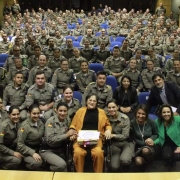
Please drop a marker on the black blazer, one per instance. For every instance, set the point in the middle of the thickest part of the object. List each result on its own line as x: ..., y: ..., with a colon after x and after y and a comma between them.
x: 118, y: 95
x: 172, y: 94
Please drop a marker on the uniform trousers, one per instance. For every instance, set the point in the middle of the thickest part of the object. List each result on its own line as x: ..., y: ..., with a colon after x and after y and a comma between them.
x: 97, y: 156
x: 9, y: 162
x: 56, y: 162
x: 32, y: 164
x: 121, y: 154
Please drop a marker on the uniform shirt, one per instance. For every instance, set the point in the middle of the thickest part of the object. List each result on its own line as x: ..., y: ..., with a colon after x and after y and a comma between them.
x: 102, y: 55
x: 147, y: 77
x: 48, y: 51
x: 54, y: 63
x: 67, y: 53
x: 89, y: 54
x: 169, y: 65
x: 61, y: 78
x: 29, y: 136
x: 32, y: 62
x: 158, y: 48
x: 82, y: 80
x: 4, y: 46
x: 104, y: 94
x: 40, y: 96
x: 8, y: 137
x: 91, y: 39
x: 3, y: 115
x: 105, y: 39
x: 157, y: 59
x: 114, y: 65
x: 126, y: 54
x: 112, y: 32
x: 135, y: 78
x: 15, y: 96
x: 13, y: 71
x: 32, y: 74
x: 120, y: 127
x: 173, y: 76
x: 55, y: 131
x: 75, y: 63
x: 59, y: 41
x: 29, y: 51
x: 73, y: 106
x: 42, y: 40
x: 169, y: 48
x: 2, y: 76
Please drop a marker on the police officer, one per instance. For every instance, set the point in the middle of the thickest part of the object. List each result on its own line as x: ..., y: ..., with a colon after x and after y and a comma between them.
x: 174, y: 75
x: 55, y: 60
x: 115, y: 63
x: 63, y: 76
x: 102, y: 53
x: 33, y: 60
x: 3, y: 112
x: 14, y: 94
x: 103, y: 91
x: 74, y: 62
x: 2, y: 78
x: 84, y: 76
x: 4, y: 44
x: 18, y: 68
x: 30, y: 48
x: 10, y: 158
x: 30, y: 137
x: 41, y: 93
x: 48, y: 51
x: 148, y: 73
x: 103, y: 38
x: 56, y: 137
x: 68, y: 51
x: 43, y: 38
x: 42, y: 65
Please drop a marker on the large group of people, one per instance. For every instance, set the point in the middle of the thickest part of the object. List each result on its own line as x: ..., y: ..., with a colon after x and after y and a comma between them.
x: 38, y: 113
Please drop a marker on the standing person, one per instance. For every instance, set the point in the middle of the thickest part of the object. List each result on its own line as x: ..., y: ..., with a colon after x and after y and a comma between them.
x: 73, y: 103
x: 90, y: 118
x: 161, y: 9
x: 63, y: 76
x: 103, y: 91
x: 144, y: 132
x: 84, y: 76
x: 29, y: 138
x: 10, y: 158
x: 56, y: 137
x: 168, y: 130
x: 122, y: 150
x: 126, y: 97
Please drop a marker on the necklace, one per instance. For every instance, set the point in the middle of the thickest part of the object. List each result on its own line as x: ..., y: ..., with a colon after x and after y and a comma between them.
x: 141, y: 132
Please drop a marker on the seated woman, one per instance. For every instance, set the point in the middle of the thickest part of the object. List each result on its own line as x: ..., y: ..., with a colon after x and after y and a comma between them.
x: 122, y: 150
x: 10, y: 158
x: 144, y: 132
x: 63, y: 76
x: 168, y: 130
x: 56, y: 136
x: 72, y: 103
x: 3, y: 113
x: 85, y: 76
x: 29, y: 138
x: 126, y: 97
x: 90, y: 118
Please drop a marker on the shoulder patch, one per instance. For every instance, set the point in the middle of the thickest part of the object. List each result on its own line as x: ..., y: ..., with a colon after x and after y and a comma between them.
x: 21, y: 130
x: 1, y: 133
x: 49, y: 125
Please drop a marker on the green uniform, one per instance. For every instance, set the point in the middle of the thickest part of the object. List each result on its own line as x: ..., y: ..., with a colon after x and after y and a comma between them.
x: 173, y: 76
x: 73, y: 106
x: 169, y: 48
x: 8, y: 143
x: 49, y: 51
x: 113, y: 32
x: 59, y: 41
x: 54, y: 63
x: 158, y: 48
x: 29, y: 139
x: 67, y: 53
x: 42, y: 40
x: 144, y: 47
x: 13, y: 71
x: 159, y: 10
x: 32, y: 61
x: 16, y: 96
x: 104, y: 94
x: 56, y: 139
x: 89, y: 54
x: 105, y: 39
x: 82, y: 80
x: 41, y: 97
x: 4, y: 46
x: 75, y: 63
x: 102, y: 55
x: 32, y: 74
x: 62, y: 78
x: 135, y: 78
x: 2, y: 77
x: 3, y: 115
x: 29, y: 51
x: 114, y: 65
x: 91, y: 39
x: 126, y: 54
x: 169, y: 65
x: 157, y: 59
x: 147, y: 77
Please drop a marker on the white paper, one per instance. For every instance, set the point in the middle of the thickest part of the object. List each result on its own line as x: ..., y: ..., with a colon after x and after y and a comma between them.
x: 85, y: 135
x: 7, y: 108
x: 173, y: 108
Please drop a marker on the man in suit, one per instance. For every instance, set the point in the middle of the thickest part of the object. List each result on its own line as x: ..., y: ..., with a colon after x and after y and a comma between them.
x: 164, y: 93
